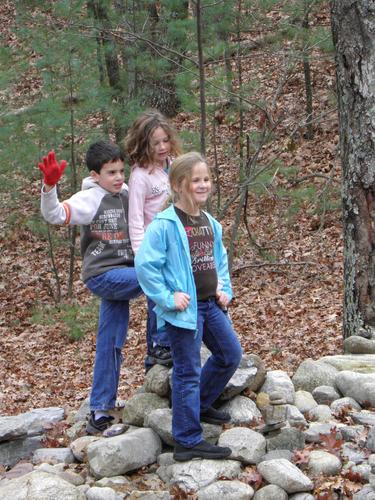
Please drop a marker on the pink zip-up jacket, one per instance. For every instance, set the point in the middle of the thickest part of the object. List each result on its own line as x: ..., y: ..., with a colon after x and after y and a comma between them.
x: 148, y: 190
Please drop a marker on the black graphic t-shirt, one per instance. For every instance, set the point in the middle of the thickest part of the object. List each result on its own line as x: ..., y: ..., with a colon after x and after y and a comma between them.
x: 201, y: 244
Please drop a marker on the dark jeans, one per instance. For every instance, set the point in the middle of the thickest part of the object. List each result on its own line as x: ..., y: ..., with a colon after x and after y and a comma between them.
x: 195, y: 388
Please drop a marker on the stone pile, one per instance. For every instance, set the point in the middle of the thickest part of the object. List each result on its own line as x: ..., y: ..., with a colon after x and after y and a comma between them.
x: 273, y: 418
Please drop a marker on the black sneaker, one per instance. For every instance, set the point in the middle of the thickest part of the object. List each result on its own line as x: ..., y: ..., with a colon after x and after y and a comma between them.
x: 160, y: 355
x: 98, y: 426
x: 212, y: 416
x: 201, y: 450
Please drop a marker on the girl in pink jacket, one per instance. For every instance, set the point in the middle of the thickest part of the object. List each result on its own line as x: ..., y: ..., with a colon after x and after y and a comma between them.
x: 150, y: 143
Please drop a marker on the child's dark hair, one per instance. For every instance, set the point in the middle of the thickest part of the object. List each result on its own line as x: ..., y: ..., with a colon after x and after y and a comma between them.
x: 137, y: 140
x: 102, y: 152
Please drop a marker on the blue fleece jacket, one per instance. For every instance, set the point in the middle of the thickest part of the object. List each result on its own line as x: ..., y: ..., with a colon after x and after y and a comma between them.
x: 163, y: 266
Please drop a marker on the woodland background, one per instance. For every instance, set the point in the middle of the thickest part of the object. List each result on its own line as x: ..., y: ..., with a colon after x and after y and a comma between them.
x: 251, y: 84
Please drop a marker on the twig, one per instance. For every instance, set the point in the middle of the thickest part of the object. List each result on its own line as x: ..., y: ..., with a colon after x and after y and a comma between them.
x: 264, y: 264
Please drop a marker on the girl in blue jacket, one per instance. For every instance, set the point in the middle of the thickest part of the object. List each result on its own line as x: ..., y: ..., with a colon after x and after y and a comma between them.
x: 182, y: 266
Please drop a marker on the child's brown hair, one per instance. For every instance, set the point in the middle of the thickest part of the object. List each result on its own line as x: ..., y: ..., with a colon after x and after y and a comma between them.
x: 138, y: 138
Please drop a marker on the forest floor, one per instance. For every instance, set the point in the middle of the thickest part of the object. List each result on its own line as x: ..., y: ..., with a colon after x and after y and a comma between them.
x: 288, y: 296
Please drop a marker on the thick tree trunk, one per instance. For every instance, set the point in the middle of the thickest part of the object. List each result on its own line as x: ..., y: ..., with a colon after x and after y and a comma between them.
x: 353, y: 27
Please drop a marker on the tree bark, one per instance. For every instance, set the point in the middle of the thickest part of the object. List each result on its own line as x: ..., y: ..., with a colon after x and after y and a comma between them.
x: 353, y: 27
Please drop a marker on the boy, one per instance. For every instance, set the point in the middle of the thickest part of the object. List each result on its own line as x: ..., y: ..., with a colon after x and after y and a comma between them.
x: 101, y: 208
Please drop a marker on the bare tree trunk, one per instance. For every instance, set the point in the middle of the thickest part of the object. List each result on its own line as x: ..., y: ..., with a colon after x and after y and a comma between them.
x: 353, y: 27
x: 307, y: 73
x: 73, y: 179
x: 202, y: 87
x: 111, y: 58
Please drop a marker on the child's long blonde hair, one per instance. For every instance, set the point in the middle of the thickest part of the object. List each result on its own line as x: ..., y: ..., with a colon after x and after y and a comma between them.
x: 180, y: 175
x: 138, y: 138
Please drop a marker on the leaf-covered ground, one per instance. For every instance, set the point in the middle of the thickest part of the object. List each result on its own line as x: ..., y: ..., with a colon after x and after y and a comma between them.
x: 288, y: 293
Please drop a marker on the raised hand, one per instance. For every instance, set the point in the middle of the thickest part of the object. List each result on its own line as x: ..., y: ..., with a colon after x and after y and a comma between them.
x: 51, y: 169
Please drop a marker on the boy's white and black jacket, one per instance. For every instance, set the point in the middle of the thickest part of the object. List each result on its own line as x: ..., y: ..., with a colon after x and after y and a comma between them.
x: 103, y: 217
x: 163, y: 266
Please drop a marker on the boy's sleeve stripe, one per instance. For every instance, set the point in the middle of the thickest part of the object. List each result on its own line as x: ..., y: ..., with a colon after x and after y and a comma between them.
x: 68, y: 213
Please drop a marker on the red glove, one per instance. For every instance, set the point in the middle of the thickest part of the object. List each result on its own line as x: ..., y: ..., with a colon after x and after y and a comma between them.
x: 51, y: 169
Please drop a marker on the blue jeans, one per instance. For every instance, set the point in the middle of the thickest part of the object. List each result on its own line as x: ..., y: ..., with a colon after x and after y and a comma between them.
x: 115, y: 288
x: 195, y: 388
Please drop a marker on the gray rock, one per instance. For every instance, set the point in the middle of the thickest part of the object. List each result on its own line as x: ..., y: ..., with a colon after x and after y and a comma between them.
x: 347, y: 403
x: 321, y: 413
x: 361, y: 363
x: 166, y: 459
x: 160, y: 421
x: 286, y: 439
x: 321, y: 462
x: 157, y: 381
x: 12, y: 428
x: 301, y: 496
x: 141, y: 405
x: 123, y: 453
x: 278, y: 380
x: 66, y: 474
x: 353, y: 433
x: 40, y: 485
x: 249, y: 375
x: 226, y: 490
x: 271, y: 492
x: 353, y: 453
x: 304, y: 401
x: 271, y: 455
x: 364, y: 470
x: 277, y: 398
x: 294, y: 417
x: 285, y: 474
x: 274, y: 414
x: 19, y: 470
x: 83, y: 411
x: 359, y: 345
x: 197, y: 474
x: 53, y: 455
x: 149, y: 495
x: 366, y: 493
x: 312, y: 434
x: 311, y: 374
x: 40, y: 419
x: 96, y: 493
x: 110, y: 482
x: 359, y: 386
x: 12, y: 452
x: 364, y: 417
x: 79, y: 447
x: 325, y: 394
x: 370, y: 443
x: 242, y: 410
x: 76, y: 430
x: 247, y: 445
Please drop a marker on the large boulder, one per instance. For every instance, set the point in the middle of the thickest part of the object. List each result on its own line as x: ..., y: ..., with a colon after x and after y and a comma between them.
x: 140, y: 405
x: 286, y: 475
x: 311, y: 374
x: 196, y: 474
x: 280, y: 382
x: 40, y: 485
x: 247, y: 445
x: 126, y: 452
x: 359, y: 386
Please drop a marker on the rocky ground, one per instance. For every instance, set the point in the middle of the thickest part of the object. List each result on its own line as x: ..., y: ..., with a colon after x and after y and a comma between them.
x: 312, y: 436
